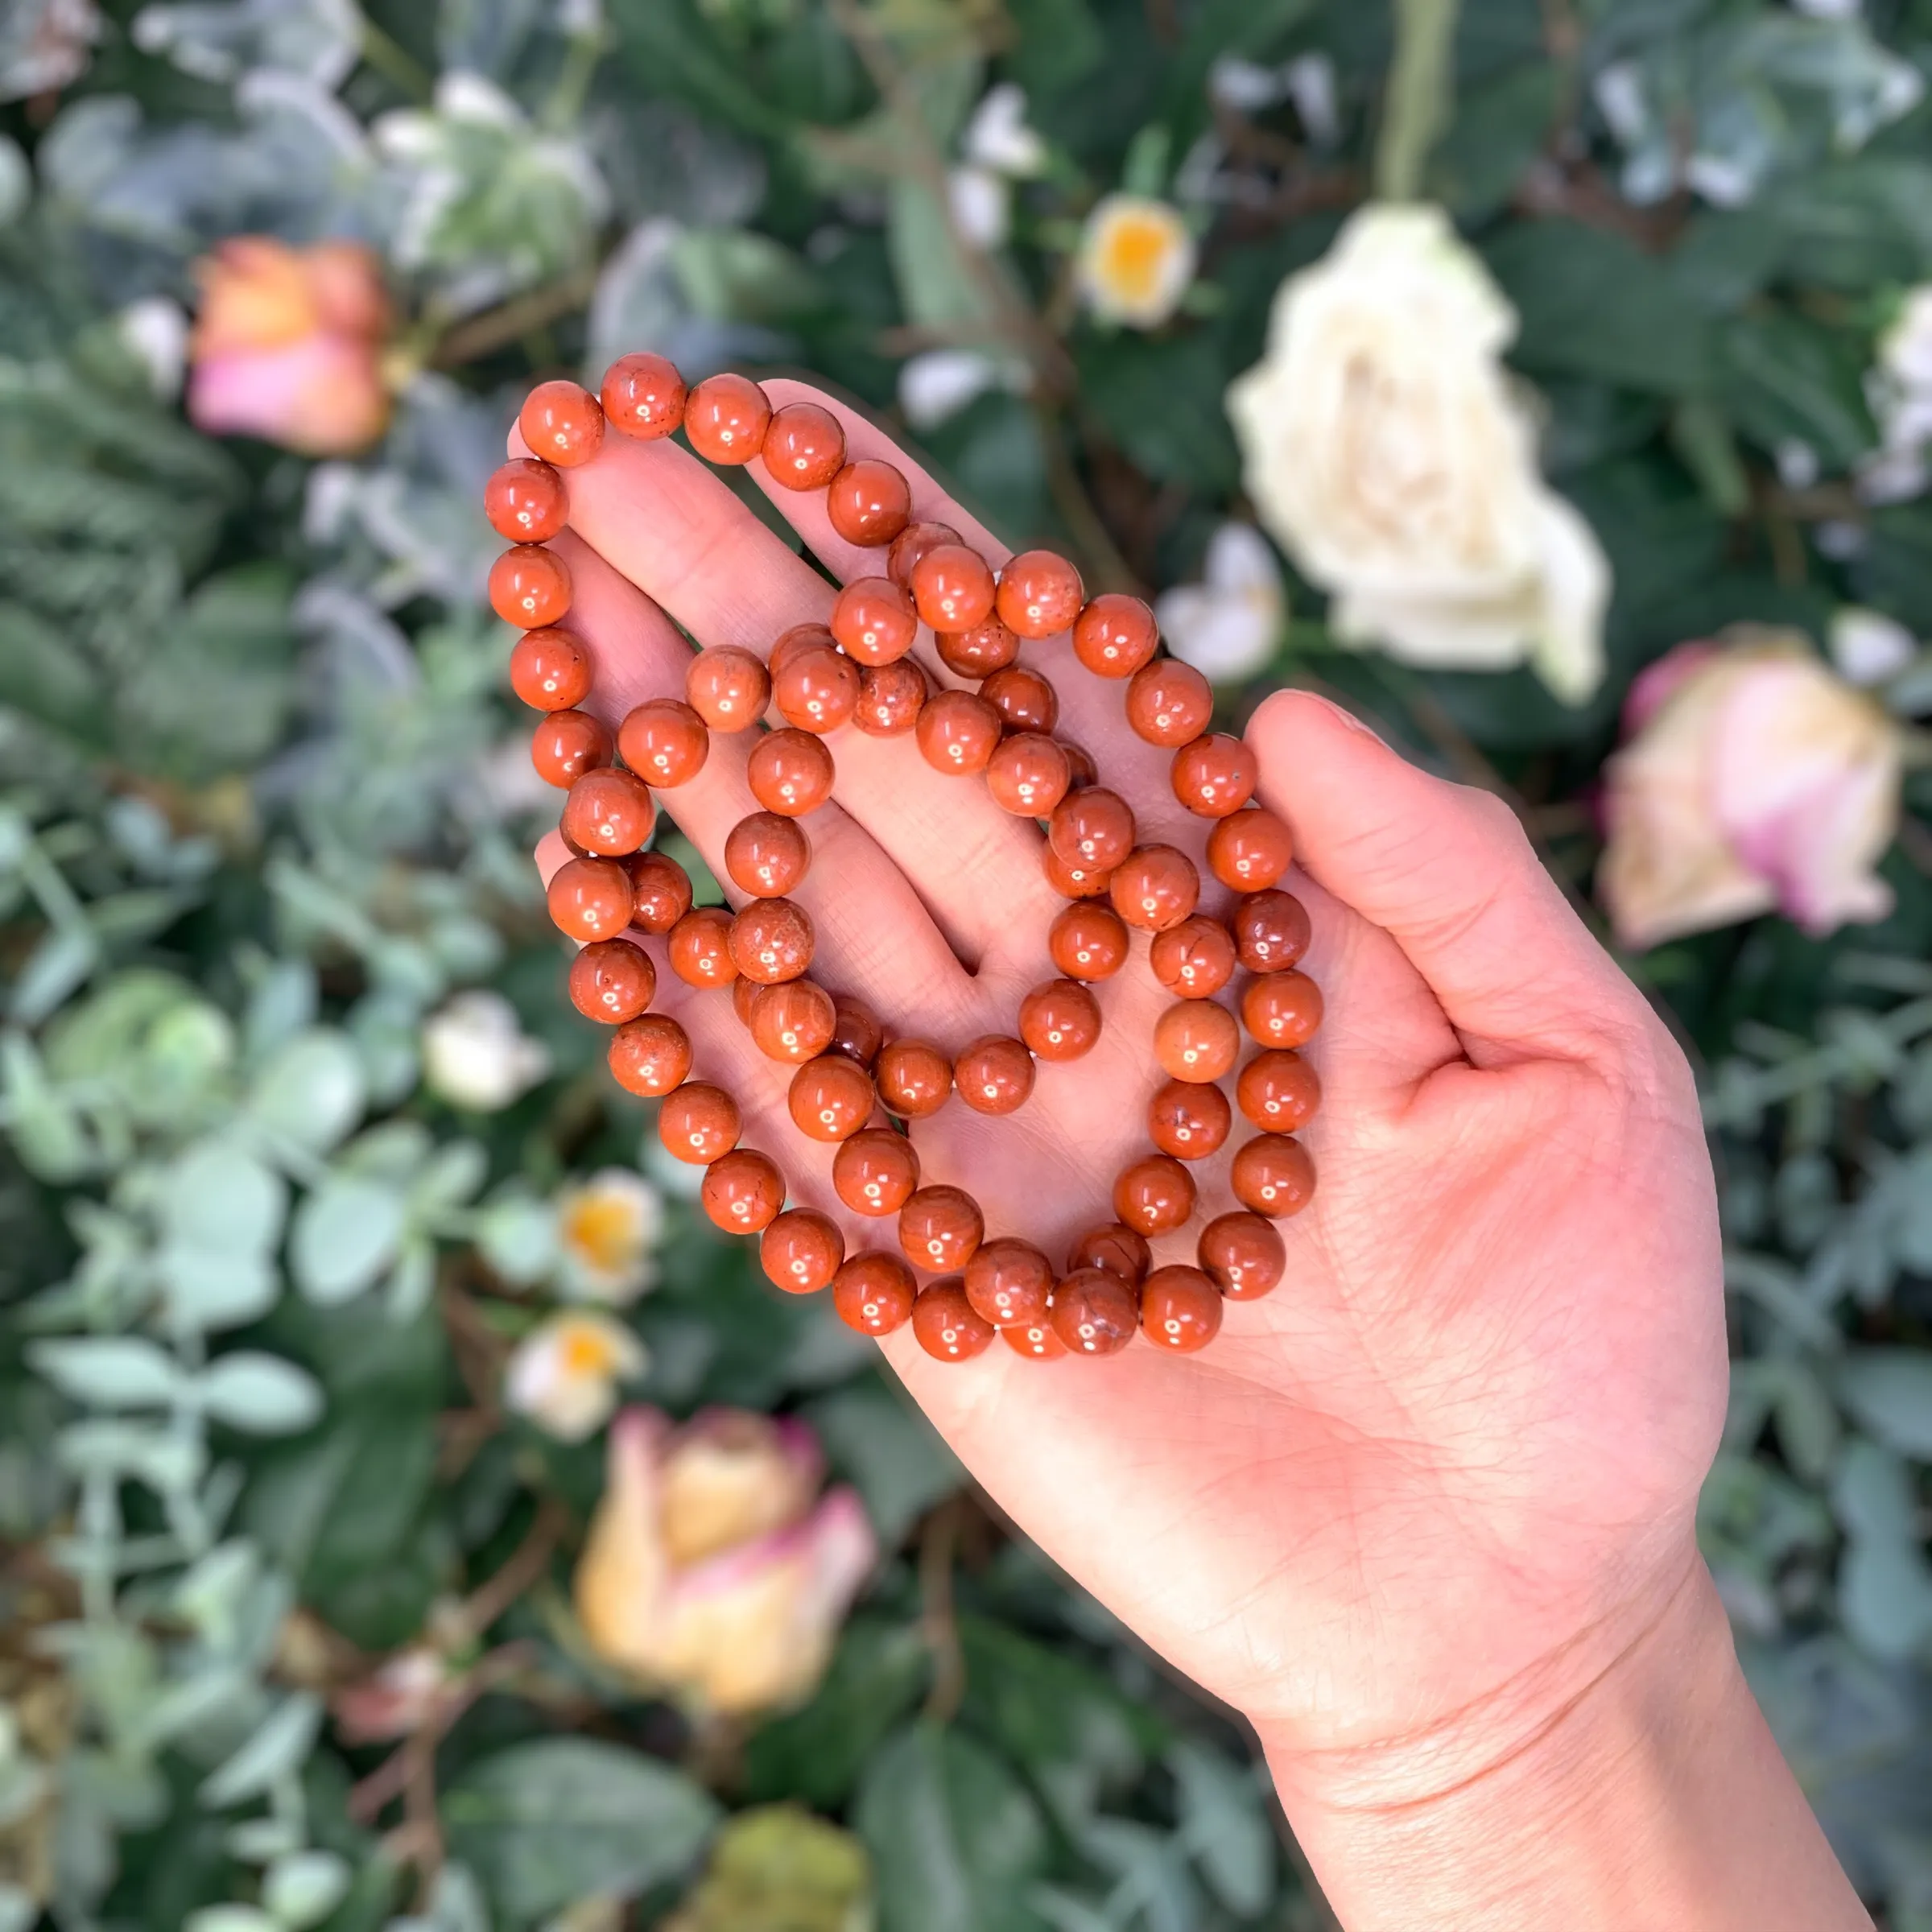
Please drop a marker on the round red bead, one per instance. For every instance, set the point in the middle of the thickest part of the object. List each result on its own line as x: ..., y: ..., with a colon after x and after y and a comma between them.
x: 562, y: 423
x: 643, y: 396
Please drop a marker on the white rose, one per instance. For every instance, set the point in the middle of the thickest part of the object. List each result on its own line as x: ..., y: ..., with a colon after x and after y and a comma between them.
x: 1385, y: 448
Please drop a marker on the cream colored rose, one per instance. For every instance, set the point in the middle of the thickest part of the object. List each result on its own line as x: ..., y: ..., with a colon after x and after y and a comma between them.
x: 1385, y: 448
x: 1754, y: 780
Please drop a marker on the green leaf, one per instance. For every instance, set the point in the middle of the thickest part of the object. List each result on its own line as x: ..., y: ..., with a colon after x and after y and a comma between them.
x: 219, y: 1199
x: 1499, y: 130
x: 937, y: 288
x: 346, y: 1233
x: 1226, y: 1829
x: 1890, y: 1392
x: 311, y: 1093
x: 260, y: 1393
x: 303, y: 1888
x: 876, y: 1438
x: 280, y: 1745
x: 110, y: 1372
x: 1161, y: 401
x: 955, y: 1839
x: 545, y: 1824
x: 1784, y: 378
x: 1056, y: 43
x: 1245, y: 29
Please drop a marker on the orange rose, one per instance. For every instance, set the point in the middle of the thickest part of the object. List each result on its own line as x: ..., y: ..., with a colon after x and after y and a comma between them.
x: 288, y: 345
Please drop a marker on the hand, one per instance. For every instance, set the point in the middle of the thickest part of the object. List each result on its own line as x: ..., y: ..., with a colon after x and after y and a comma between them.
x: 1406, y: 1512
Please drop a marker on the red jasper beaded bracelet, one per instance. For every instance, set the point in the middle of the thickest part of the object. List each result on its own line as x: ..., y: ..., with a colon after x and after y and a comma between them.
x: 858, y: 671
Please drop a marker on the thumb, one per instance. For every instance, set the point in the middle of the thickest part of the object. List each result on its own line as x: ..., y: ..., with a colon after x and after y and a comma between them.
x: 1447, y: 871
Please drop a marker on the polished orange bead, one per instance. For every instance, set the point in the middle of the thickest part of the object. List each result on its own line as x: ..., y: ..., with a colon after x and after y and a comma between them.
x: 874, y: 1172
x: 590, y: 898
x: 791, y: 771
x: 743, y: 1191
x: 804, y: 446
x: 1155, y: 887
x: 1189, y: 1120
x: 728, y: 688
x: 649, y: 1056
x: 951, y: 587
x: 1153, y: 1195
x: 1114, y: 635
x: 1273, y: 1175
x: 529, y: 587
x: 1168, y: 703
x: 562, y: 423
x: 643, y: 396
x: 1196, y: 1040
x: 1093, y: 829
x: 914, y: 542
x: 958, y: 732
x: 1095, y: 1312
x: 1195, y: 959
x: 767, y: 855
x: 608, y: 812
x: 940, y: 1228
x: 1242, y: 1255
x: 1027, y: 774
x: 792, y: 1020
x: 1271, y: 931
x: 1088, y: 942
x: 1039, y: 593
x: 1080, y: 765
x: 664, y: 741
x: 772, y: 941
x: 700, y: 947
x: 698, y: 1122
x: 1060, y: 1021
x: 872, y: 620
x: 800, y: 637
x: 568, y: 744
x: 817, y: 689
x: 550, y: 671
x: 526, y: 502
x: 1214, y: 774
x: 744, y: 997
x: 914, y: 1078
x: 1074, y: 882
x: 1024, y: 699
x: 1282, y: 1008
x: 1010, y: 1281
x: 830, y: 1098
x: 994, y: 1075
x: 726, y: 418
x: 856, y: 1032
x: 873, y: 1292
x: 1119, y: 1249
x: 660, y: 890
x: 612, y: 980
x: 869, y: 503
x: 890, y: 698
x: 1038, y: 1341
x: 945, y: 1325
x: 977, y: 653
x: 1279, y: 1090
x: 1249, y: 850
x: 802, y: 1250
x: 1180, y: 1309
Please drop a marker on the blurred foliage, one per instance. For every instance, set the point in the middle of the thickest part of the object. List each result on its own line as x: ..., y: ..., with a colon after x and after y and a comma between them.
x: 263, y: 808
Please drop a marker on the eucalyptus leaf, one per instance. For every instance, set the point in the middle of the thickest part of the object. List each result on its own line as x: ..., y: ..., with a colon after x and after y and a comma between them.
x: 111, y: 1371
x: 1889, y: 1390
x: 345, y: 1234
x: 280, y: 1745
x: 260, y: 1393
x: 310, y: 1092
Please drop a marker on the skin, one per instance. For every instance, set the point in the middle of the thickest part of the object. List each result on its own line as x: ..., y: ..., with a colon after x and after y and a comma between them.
x: 1424, y: 1515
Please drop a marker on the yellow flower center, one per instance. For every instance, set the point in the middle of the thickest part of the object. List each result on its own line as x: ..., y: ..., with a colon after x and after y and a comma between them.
x: 585, y: 1351
x: 1132, y: 254
x: 602, y: 1230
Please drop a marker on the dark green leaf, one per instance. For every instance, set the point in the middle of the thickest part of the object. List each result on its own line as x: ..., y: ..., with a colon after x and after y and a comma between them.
x: 878, y: 1440
x: 1784, y: 378
x: 1161, y: 401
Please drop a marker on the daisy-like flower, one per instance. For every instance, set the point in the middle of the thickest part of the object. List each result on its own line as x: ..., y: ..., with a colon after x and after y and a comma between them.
x: 997, y: 149
x: 607, y: 1232
x: 1136, y: 260
x: 564, y: 1374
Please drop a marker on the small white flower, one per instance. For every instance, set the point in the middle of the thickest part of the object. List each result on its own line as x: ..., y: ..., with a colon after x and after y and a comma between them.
x: 1904, y: 350
x: 154, y: 331
x: 998, y: 137
x: 1136, y: 260
x: 564, y: 1374
x: 1797, y: 464
x: 1228, y: 624
x: 475, y: 1054
x: 981, y: 204
x: 1869, y: 647
x: 1243, y: 86
x: 1310, y: 79
x: 607, y: 1231
x: 939, y: 383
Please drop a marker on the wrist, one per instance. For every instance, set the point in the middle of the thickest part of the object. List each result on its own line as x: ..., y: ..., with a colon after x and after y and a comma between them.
x: 1644, y: 1793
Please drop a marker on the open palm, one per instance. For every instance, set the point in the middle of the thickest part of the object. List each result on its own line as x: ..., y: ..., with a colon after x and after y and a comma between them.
x: 1425, y: 1491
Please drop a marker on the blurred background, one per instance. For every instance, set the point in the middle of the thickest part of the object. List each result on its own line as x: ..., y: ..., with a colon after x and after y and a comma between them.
x: 1550, y: 379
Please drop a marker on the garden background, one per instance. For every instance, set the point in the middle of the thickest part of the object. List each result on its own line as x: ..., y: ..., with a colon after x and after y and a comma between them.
x: 323, y: 1258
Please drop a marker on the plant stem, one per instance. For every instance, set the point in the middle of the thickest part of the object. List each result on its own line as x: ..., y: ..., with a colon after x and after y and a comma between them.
x: 1416, y: 106
x: 396, y: 63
